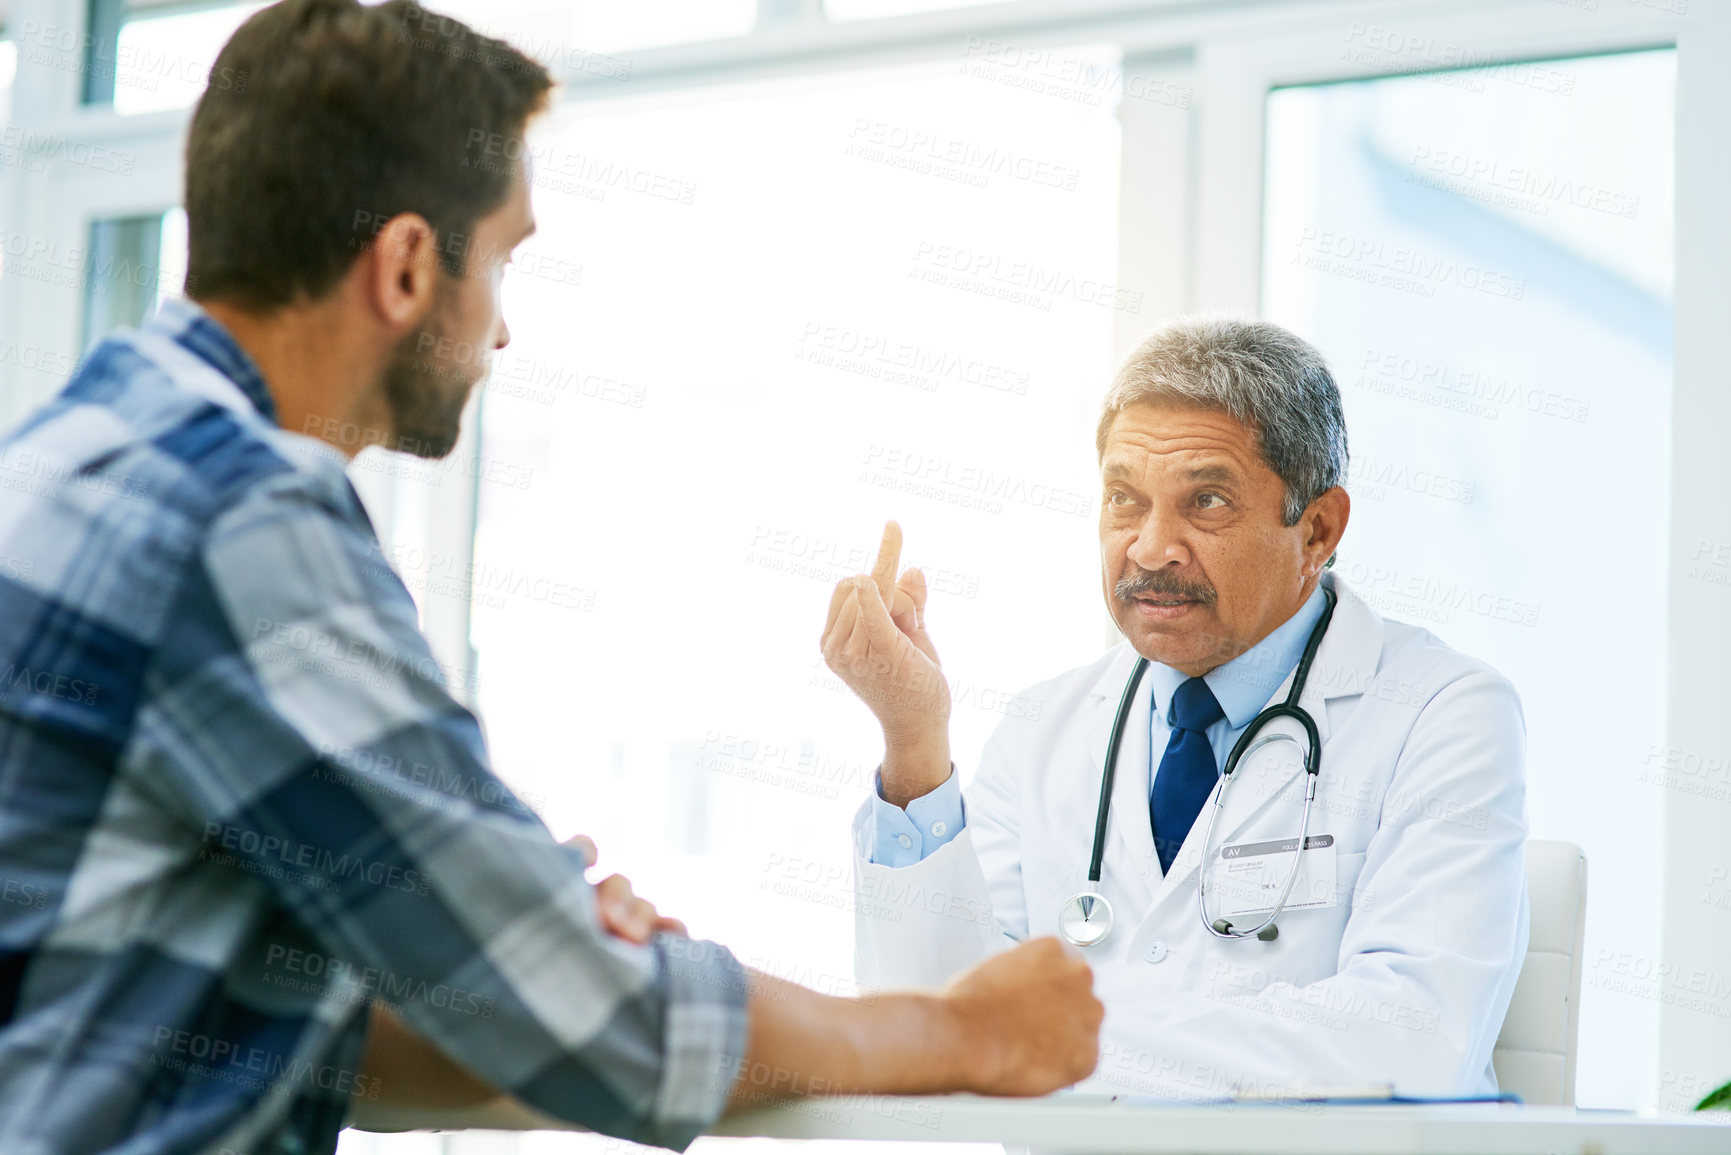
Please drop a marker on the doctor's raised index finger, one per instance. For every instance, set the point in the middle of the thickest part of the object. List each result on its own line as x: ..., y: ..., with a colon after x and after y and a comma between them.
x: 889, y: 556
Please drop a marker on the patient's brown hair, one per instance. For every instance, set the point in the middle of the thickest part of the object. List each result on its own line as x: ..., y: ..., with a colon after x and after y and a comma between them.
x: 332, y: 117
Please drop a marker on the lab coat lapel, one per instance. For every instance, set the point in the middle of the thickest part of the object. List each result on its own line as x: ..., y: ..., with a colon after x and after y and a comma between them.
x: 1130, y: 862
x: 1345, y: 663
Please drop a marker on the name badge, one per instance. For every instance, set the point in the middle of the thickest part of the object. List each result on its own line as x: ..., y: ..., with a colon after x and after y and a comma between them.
x: 1247, y: 878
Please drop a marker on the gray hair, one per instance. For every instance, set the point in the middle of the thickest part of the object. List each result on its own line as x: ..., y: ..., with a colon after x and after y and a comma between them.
x: 1260, y: 375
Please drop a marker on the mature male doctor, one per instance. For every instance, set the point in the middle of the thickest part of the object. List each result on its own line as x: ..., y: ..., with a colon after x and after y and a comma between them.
x: 1222, y: 450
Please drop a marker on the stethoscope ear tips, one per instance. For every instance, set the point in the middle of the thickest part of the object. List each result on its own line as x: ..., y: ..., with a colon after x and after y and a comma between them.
x: 1221, y: 926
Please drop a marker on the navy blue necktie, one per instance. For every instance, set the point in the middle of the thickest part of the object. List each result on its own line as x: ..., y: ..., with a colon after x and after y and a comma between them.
x: 1187, y: 771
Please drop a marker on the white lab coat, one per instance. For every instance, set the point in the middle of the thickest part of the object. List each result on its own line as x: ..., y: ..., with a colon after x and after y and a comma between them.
x: 1405, y: 981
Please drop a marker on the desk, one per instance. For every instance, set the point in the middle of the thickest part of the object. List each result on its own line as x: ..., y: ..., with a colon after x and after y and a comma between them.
x: 1096, y: 1125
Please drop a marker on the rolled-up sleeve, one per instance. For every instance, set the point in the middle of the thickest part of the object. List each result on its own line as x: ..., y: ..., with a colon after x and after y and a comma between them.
x: 301, y: 718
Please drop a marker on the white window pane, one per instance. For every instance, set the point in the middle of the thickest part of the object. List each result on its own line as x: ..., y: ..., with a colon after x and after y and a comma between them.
x: 842, y: 10
x: 1485, y: 257
x: 172, y: 256
x: 8, y: 73
x: 551, y: 30
x: 132, y: 266
x: 164, y: 61
x: 609, y: 26
x: 751, y: 327
x: 122, y: 273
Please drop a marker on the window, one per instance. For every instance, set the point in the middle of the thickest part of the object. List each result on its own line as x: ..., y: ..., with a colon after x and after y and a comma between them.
x: 1485, y: 257
x: 591, y: 33
x: 8, y: 72
x: 750, y: 328
x: 842, y: 10
x: 150, y: 56
x: 159, y: 57
x: 122, y: 281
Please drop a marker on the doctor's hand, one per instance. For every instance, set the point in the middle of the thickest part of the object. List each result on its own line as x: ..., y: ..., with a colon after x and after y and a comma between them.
x: 1031, y: 1018
x: 623, y: 914
x: 875, y: 640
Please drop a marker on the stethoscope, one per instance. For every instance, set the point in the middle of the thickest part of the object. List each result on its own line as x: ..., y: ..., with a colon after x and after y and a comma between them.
x: 1087, y: 917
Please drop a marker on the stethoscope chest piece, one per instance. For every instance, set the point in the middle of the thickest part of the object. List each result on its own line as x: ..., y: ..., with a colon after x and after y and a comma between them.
x: 1086, y: 918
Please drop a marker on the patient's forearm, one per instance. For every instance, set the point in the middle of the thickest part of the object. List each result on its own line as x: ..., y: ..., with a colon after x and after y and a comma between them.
x: 401, y: 1069
x: 802, y: 1043
x: 1024, y: 1022
x: 799, y: 1043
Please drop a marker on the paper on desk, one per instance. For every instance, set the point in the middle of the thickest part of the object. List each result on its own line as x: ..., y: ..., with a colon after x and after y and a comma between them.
x: 1310, y: 1093
x: 1367, y: 1094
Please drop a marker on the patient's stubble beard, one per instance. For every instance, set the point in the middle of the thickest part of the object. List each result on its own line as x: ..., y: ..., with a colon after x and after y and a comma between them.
x: 426, y: 393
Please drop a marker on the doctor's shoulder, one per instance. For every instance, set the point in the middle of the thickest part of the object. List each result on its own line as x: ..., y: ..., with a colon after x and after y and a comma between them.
x: 1416, y: 666
x: 1435, y: 701
x: 1461, y: 750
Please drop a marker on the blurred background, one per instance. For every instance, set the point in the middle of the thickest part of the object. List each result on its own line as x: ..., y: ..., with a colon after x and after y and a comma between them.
x: 804, y: 265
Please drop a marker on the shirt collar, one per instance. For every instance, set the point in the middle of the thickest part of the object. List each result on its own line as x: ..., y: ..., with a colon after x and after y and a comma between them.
x: 182, y: 321
x: 1246, y: 683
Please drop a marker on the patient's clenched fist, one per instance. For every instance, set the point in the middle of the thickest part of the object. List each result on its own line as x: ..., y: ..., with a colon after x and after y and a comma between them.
x: 1032, y: 1018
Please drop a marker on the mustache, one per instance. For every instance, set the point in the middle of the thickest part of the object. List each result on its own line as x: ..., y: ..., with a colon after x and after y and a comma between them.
x: 1159, y: 581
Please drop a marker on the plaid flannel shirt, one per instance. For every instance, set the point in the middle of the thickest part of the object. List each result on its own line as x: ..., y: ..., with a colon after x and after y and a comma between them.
x: 237, y: 804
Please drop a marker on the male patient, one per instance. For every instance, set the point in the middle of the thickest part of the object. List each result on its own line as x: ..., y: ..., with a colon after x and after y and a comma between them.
x: 211, y: 678
x: 1222, y: 448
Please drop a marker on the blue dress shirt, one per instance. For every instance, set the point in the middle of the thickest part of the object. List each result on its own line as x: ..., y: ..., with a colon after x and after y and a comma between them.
x: 1242, y: 686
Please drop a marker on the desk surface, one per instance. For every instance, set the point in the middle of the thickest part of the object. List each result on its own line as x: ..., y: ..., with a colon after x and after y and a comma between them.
x: 1099, y: 1125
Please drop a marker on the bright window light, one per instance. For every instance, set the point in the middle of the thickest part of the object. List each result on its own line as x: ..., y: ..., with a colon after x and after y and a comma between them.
x: 845, y: 10
x: 164, y: 62
x: 1485, y: 257
x: 565, y: 31
x: 8, y: 73
x: 750, y: 328
x: 608, y: 26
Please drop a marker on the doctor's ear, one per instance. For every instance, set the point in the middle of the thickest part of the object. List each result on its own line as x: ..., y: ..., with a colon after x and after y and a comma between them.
x: 1323, y: 525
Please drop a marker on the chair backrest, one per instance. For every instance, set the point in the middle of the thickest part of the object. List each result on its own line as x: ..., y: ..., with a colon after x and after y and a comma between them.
x: 1535, y: 1054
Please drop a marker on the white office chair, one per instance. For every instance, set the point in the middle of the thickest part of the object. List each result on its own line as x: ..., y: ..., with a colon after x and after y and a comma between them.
x: 1535, y: 1054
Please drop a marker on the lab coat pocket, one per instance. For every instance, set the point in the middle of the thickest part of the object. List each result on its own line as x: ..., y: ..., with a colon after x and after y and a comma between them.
x: 1307, y: 949
x: 1045, y: 896
x: 1347, y: 868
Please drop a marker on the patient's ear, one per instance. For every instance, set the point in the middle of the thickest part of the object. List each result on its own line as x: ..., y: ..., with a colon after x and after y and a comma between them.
x: 401, y: 271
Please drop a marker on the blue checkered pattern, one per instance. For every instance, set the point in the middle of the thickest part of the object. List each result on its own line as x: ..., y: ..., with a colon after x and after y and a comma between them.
x: 237, y: 804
